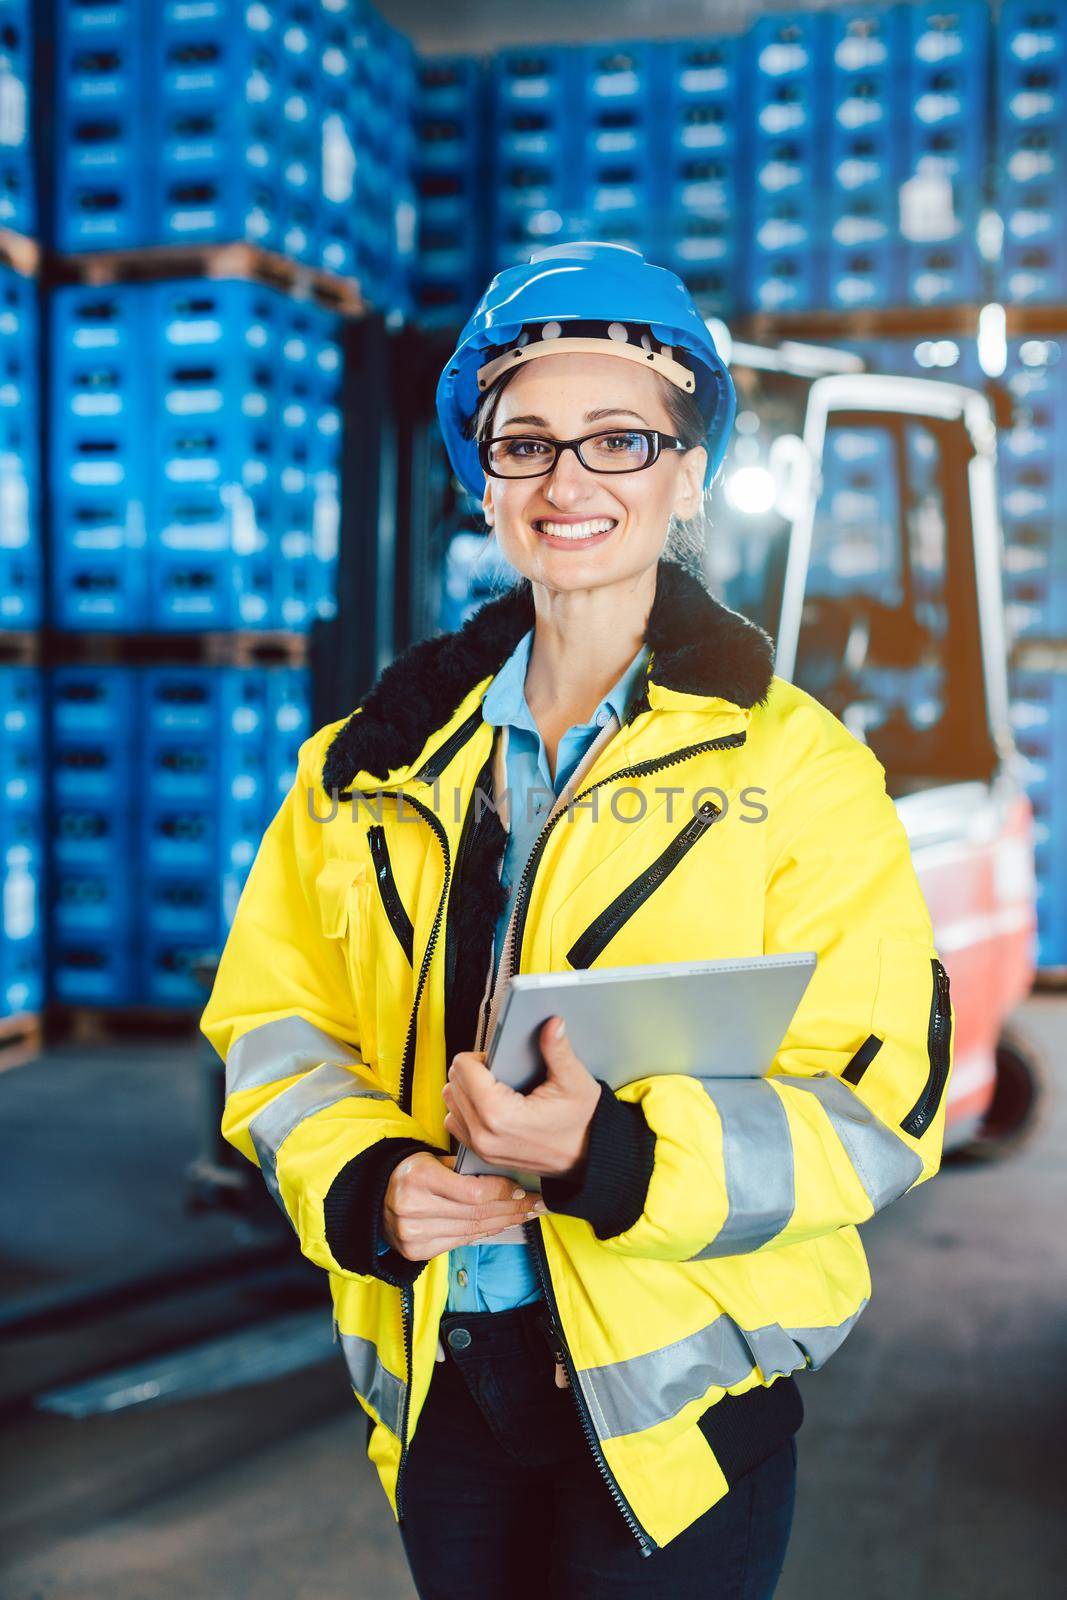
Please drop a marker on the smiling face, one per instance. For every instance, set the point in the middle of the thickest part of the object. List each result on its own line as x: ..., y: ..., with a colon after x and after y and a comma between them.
x: 572, y: 528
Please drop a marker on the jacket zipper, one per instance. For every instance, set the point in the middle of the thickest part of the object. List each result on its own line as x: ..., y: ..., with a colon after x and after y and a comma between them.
x: 640, y: 769
x: 466, y: 839
x: 592, y: 940
x: 407, y: 1320
x: 532, y: 1230
x: 399, y: 920
x: 563, y: 1357
x: 937, y: 1049
x: 434, y: 765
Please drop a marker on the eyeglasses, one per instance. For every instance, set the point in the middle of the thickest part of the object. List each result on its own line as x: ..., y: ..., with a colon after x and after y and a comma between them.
x: 525, y: 456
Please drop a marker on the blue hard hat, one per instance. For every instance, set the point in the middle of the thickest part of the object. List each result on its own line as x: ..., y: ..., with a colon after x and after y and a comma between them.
x: 648, y: 313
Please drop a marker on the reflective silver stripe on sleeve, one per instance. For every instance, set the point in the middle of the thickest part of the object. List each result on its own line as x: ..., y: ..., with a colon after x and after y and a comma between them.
x: 757, y: 1153
x: 884, y: 1164
x: 629, y: 1396
x: 315, y: 1091
x: 377, y: 1385
x: 280, y: 1049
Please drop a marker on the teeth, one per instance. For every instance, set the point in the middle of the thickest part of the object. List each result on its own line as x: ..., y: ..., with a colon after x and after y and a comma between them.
x: 576, y: 530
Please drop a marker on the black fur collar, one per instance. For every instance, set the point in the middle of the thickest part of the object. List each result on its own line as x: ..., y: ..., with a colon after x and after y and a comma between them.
x: 701, y: 647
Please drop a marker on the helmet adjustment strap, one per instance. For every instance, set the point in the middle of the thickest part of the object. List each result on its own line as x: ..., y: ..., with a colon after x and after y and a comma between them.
x: 682, y: 377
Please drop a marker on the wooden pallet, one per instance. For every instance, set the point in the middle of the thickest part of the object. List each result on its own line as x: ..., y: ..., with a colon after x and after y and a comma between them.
x: 218, y: 649
x: 96, y: 1025
x: 20, y: 253
x: 256, y: 649
x: 891, y: 322
x: 20, y: 648
x: 237, y: 260
x: 822, y: 327
x: 20, y: 1039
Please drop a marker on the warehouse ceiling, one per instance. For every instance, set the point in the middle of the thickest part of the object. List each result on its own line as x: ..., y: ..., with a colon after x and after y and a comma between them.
x: 474, y: 26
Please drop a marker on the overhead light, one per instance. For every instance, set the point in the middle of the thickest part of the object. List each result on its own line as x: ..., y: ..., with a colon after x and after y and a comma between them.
x: 992, y: 340
x: 751, y: 490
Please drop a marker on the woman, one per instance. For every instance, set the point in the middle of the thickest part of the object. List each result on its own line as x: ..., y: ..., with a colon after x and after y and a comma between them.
x: 550, y: 1405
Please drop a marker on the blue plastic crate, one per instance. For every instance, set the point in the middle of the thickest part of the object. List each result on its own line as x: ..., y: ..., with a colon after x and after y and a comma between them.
x: 217, y: 124
x: 100, y: 185
x: 1036, y: 604
x: 22, y: 970
x: 92, y: 771
x: 97, y: 905
x: 1035, y: 273
x: 181, y: 908
x: 288, y: 726
x: 92, y: 970
x: 94, y: 703
x: 450, y: 87
x: 167, y: 972
x: 99, y: 400
x: 18, y: 199
x: 91, y: 837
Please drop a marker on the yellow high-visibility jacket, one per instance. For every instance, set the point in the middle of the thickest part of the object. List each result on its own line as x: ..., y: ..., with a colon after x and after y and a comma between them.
x: 709, y: 1248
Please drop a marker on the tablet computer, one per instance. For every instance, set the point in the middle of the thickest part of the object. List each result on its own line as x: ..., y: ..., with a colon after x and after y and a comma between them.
x: 711, y: 1019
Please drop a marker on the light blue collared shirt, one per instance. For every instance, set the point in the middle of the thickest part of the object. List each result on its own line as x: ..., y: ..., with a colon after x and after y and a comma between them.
x: 496, y: 1277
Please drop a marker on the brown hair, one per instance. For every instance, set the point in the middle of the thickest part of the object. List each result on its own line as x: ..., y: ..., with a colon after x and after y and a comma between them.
x: 685, y: 539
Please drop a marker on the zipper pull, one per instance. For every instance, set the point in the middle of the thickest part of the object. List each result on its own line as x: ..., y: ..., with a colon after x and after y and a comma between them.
x: 562, y: 1380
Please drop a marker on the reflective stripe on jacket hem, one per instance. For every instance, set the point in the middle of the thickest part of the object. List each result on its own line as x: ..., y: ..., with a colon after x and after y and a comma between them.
x: 630, y: 1396
x: 373, y: 1382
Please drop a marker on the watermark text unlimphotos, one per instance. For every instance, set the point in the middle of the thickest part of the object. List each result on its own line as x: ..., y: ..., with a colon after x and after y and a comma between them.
x: 623, y: 803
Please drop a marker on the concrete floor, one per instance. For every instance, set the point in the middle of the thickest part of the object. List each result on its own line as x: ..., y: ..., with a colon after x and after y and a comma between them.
x: 932, y: 1458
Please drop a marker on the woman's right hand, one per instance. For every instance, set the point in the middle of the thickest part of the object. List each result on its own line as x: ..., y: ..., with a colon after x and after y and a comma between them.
x: 429, y: 1209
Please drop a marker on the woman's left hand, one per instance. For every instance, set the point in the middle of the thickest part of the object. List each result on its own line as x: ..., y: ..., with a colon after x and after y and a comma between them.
x: 545, y: 1131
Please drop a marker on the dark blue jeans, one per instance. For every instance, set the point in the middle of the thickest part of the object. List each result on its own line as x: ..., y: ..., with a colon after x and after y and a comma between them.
x: 503, y: 1499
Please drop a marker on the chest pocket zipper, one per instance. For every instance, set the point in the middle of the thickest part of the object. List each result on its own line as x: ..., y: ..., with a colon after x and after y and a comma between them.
x: 399, y: 920
x: 593, y: 939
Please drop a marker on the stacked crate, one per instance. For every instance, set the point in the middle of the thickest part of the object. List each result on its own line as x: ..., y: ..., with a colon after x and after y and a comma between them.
x: 20, y: 544
x: 637, y: 143
x: 1039, y: 715
x: 279, y: 123
x: 1033, y: 478
x: 195, y: 461
x: 536, y: 175
x: 703, y: 178
x: 18, y: 196
x: 164, y: 780
x: 1031, y: 132
x: 864, y: 106
x: 945, y: 134
x: 21, y: 843
x: 21, y: 599
x: 786, y: 130
x: 450, y: 184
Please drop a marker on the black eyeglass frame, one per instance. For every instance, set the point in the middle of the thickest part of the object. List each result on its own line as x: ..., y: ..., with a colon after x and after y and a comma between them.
x: 657, y: 441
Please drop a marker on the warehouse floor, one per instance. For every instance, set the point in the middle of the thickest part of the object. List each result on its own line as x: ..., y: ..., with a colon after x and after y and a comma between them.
x: 931, y: 1458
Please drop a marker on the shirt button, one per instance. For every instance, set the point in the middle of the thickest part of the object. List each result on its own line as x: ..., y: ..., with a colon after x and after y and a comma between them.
x: 461, y: 1277
x: 459, y: 1338
x: 603, y: 717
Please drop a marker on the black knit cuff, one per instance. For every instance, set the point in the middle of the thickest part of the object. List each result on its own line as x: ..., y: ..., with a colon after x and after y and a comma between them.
x: 610, y: 1190
x: 353, y: 1208
x: 744, y: 1430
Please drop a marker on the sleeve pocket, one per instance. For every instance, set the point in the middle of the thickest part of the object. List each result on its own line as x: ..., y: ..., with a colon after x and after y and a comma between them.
x: 336, y: 887
x: 907, y: 1073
